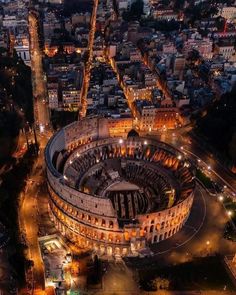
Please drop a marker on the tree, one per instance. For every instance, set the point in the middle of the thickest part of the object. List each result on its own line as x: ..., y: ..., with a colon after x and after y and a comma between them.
x: 135, y: 12
x: 137, y: 8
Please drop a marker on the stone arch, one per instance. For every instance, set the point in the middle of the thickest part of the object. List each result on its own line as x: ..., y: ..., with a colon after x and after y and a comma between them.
x: 102, y: 249
x: 124, y: 251
x: 109, y: 251
x: 102, y: 236
x: 117, y: 251
x: 126, y: 235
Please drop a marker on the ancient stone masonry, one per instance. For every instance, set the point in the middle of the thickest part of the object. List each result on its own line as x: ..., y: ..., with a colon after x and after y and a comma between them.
x: 116, y: 195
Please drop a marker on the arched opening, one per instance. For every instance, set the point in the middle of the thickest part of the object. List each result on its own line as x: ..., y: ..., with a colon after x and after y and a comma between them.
x: 109, y: 251
x: 151, y: 228
x: 117, y: 251
x: 102, y: 249
x: 126, y: 234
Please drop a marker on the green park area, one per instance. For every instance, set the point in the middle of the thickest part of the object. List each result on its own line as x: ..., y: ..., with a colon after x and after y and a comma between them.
x: 16, y: 102
x: 207, y: 273
x: 205, y: 180
x: 230, y: 228
x: 13, y: 183
x: 16, y: 109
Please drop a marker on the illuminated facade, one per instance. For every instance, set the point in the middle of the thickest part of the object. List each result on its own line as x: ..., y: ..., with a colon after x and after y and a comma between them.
x: 115, y: 195
x: 163, y: 118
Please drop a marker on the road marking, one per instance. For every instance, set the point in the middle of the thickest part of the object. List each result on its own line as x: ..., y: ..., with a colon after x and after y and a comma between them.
x: 193, y: 235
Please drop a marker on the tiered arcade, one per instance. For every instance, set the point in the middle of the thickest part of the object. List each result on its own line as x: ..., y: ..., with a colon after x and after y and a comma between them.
x: 116, y: 195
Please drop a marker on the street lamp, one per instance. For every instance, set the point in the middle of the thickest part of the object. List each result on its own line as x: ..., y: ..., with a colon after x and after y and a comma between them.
x: 221, y: 198
x: 120, y: 140
x: 209, y: 167
x: 230, y: 213
x: 207, y: 243
x: 179, y: 157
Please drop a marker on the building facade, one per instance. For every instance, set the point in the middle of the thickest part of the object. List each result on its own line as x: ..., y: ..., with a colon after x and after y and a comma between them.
x: 115, y: 195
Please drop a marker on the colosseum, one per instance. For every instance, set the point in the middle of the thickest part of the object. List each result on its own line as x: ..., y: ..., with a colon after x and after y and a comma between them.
x: 116, y: 195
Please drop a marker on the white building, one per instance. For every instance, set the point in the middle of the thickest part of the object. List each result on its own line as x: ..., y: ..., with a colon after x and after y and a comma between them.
x: 228, y: 12
x: 226, y: 50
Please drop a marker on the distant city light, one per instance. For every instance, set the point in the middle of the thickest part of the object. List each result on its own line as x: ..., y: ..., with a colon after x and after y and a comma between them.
x: 41, y: 128
x: 230, y: 213
x: 221, y: 198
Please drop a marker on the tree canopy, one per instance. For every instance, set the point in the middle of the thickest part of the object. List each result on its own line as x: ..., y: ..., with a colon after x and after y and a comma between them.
x: 219, y: 125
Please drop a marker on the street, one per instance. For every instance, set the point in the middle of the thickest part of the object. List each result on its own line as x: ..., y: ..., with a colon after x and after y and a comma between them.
x: 41, y: 111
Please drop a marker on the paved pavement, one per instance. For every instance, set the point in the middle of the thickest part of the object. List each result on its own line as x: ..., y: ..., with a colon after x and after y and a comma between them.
x: 190, y: 229
x: 29, y: 216
x: 29, y: 224
x: 88, y: 65
x: 41, y: 111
